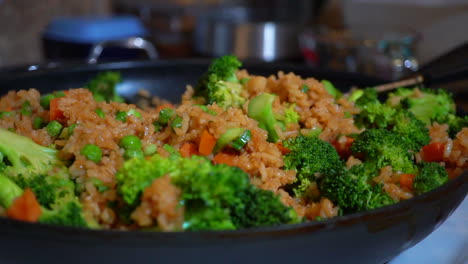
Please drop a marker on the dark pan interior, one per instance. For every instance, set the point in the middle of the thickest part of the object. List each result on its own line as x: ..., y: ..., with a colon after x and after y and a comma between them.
x: 370, y: 237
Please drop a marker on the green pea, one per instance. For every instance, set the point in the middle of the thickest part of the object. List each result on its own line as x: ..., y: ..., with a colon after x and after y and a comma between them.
x: 130, y: 142
x: 54, y: 128
x: 5, y: 113
x: 133, y: 153
x: 121, y: 116
x: 99, y: 112
x: 134, y: 112
x: 165, y: 115
x: 38, y: 122
x: 92, y: 152
x: 177, y: 122
x: 150, y: 149
x: 26, y: 108
x: 45, y: 100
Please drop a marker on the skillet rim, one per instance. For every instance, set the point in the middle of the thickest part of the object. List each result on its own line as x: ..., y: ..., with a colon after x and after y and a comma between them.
x: 189, y: 237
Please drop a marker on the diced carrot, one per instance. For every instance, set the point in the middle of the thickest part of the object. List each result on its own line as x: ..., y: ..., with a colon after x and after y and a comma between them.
x: 433, y: 152
x: 406, y: 180
x: 161, y: 107
x: 55, y: 113
x: 207, y: 143
x: 188, y: 149
x: 343, y: 148
x: 25, y: 207
x: 284, y: 150
x: 224, y: 158
x: 9, y: 109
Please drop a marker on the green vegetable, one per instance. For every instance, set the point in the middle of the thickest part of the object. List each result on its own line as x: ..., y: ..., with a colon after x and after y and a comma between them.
x: 5, y: 113
x: 103, y: 87
x: 38, y: 122
x: 315, y: 132
x: 430, y: 176
x: 228, y: 137
x: 244, y: 81
x: 381, y: 148
x: 411, y: 129
x: 100, y: 186
x: 373, y: 113
x: 428, y: 105
x: 71, y: 128
x: 99, y: 112
x: 166, y: 115
x: 305, y: 88
x: 54, y: 128
x: 177, y: 122
x: 121, y: 116
x: 331, y: 89
x: 207, y: 110
x: 150, y: 149
x: 133, y: 153
x: 134, y: 112
x: 311, y: 157
x: 130, y: 142
x: 261, y: 109
x: 44, y: 101
x: 352, y: 189
x: 456, y: 124
x: 92, y: 152
x: 26, y: 108
x: 242, y: 140
x: 220, y: 84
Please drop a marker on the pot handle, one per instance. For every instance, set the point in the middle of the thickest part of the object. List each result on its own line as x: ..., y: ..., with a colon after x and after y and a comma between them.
x: 129, y: 43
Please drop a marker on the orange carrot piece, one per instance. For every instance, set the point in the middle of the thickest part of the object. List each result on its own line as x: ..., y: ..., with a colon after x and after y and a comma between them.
x: 284, y: 150
x: 55, y: 113
x: 207, y: 143
x: 433, y: 152
x: 161, y: 107
x: 224, y: 158
x: 188, y: 149
x: 406, y: 180
x: 25, y: 207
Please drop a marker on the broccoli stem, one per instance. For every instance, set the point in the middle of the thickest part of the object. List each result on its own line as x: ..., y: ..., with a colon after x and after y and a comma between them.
x: 8, y: 191
x: 261, y: 109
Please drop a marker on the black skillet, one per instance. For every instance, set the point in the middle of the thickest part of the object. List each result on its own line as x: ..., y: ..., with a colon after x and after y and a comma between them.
x: 371, y: 237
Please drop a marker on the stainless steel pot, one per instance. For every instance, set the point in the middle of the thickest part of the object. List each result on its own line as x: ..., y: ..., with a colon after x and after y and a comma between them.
x: 266, y: 41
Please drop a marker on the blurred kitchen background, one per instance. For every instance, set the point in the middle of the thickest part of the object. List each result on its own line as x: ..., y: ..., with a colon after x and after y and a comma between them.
x: 384, y: 38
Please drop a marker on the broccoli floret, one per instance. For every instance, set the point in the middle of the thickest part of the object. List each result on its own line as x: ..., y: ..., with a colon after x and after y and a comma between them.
x: 220, y: 84
x: 373, y: 114
x: 257, y: 207
x: 289, y: 116
x: 33, y: 166
x: 430, y: 176
x: 66, y: 210
x: 311, y: 157
x: 411, y: 129
x: 213, y: 195
x: 456, y: 124
x: 428, y: 105
x: 353, y: 190
x: 136, y: 174
x: 103, y: 87
x: 381, y: 148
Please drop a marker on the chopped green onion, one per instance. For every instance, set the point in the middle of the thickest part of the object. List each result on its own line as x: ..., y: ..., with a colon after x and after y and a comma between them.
x: 242, y: 140
x: 177, y: 122
x: 315, y: 132
x: 304, y: 88
x: 58, y: 94
x: 71, y: 128
x: 99, y: 112
x: 207, y: 110
x: 5, y: 113
x: 121, y: 116
x: 38, y: 122
x: 165, y: 115
x: 100, y: 186
x: 92, y: 152
x: 54, y: 128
